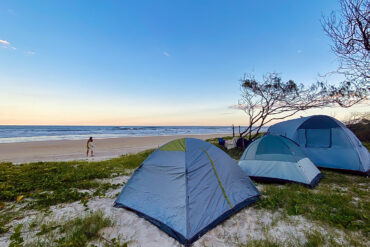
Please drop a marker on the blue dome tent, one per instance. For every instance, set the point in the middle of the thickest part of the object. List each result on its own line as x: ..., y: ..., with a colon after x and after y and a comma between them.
x: 326, y: 141
x: 187, y: 187
x: 277, y: 159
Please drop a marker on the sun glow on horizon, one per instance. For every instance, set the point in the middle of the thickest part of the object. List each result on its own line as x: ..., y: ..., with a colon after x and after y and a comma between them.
x: 152, y: 63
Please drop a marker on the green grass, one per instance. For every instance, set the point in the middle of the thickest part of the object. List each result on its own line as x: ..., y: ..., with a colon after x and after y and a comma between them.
x: 16, y: 239
x: 315, y: 239
x: 326, y: 203
x: 367, y: 145
x: 234, y: 153
x: 6, y: 216
x: 77, y: 232
x: 50, y: 183
x: 261, y: 243
x: 80, y: 231
x: 215, y: 140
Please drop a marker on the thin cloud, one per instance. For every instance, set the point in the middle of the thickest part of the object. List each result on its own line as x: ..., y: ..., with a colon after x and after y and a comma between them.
x: 29, y: 53
x: 166, y: 54
x: 12, y: 47
x: 4, y: 42
x: 299, y: 51
x: 226, y: 113
x: 236, y: 107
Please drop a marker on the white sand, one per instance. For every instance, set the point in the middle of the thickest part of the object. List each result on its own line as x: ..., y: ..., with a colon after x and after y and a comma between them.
x: 25, y: 152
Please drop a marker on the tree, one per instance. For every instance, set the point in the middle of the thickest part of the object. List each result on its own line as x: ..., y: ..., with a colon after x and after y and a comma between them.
x: 272, y: 99
x: 350, y: 36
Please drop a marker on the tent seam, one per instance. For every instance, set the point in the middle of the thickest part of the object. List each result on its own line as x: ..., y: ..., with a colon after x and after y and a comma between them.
x: 218, y: 178
x: 187, y: 195
x: 300, y: 166
x: 354, y: 147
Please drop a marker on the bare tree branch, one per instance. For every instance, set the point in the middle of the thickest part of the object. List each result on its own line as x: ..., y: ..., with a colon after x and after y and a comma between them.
x: 350, y: 35
x: 272, y: 99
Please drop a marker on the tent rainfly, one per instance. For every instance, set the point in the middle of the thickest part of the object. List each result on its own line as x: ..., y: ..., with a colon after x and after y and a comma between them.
x: 327, y: 142
x: 187, y: 187
x: 277, y: 159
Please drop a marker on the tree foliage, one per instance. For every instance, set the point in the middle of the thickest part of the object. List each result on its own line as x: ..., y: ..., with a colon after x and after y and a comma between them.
x: 271, y: 99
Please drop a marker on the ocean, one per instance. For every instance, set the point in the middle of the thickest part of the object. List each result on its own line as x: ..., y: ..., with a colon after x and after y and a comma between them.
x: 12, y: 133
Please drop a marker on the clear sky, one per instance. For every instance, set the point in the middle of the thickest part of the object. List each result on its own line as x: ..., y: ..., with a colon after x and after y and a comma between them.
x: 150, y: 62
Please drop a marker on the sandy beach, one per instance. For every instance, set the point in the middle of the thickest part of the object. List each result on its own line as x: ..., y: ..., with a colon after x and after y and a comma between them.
x: 26, y: 152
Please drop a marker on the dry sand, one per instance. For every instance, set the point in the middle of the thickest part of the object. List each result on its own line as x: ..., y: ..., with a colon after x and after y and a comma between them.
x: 25, y: 152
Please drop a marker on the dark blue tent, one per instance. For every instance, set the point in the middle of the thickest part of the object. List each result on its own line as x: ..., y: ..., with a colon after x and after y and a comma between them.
x: 187, y: 187
x: 326, y: 141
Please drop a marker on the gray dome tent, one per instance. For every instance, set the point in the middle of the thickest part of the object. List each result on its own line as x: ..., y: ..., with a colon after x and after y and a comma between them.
x: 187, y: 187
x: 278, y: 159
x: 326, y: 141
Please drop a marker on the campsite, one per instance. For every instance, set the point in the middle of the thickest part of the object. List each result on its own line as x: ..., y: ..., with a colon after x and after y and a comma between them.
x: 184, y: 123
x: 72, y: 203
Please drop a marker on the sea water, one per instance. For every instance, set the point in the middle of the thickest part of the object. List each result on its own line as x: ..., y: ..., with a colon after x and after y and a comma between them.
x: 13, y: 133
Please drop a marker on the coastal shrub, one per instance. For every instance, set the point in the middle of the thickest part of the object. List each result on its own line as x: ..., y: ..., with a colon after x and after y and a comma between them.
x: 55, y: 197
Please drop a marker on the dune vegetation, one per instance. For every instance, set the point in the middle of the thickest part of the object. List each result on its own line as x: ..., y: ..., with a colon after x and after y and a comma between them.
x: 340, y: 203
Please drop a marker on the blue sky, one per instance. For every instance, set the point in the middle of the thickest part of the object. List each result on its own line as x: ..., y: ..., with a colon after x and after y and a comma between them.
x: 150, y: 62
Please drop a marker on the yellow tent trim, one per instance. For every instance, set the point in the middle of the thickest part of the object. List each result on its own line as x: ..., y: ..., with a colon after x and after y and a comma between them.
x: 176, y: 145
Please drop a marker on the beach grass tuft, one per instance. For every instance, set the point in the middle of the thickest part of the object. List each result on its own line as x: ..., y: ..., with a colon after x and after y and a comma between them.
x: 76, y: 232
x: 261, y: 243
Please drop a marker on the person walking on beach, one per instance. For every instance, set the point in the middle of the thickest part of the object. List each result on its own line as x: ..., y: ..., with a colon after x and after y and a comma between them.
x: 90, y: 147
